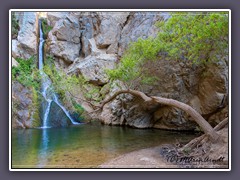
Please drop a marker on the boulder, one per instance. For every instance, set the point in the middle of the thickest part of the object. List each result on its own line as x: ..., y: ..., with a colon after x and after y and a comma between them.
x: 213, y: 87
x: 68, y: 51
x: 65, y: 30
x: 93, y: 68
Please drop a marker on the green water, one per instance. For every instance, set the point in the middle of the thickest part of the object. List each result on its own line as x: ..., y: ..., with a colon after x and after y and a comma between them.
x: 83, y: 146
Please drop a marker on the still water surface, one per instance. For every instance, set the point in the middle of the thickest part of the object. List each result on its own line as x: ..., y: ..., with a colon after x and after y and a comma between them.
x: 83, y: 146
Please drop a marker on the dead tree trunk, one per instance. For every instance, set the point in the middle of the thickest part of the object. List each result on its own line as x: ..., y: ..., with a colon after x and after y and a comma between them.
x: 206, y: 127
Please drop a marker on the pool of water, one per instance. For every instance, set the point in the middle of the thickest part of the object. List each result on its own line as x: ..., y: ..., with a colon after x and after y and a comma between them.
x: 83, y: 146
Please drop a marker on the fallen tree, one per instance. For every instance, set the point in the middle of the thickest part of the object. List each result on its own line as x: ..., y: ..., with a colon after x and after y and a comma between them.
x: 150, y: 100
x: 203, y: 139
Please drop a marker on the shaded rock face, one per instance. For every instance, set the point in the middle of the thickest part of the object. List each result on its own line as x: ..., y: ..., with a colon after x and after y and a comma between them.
x: 25, y: 45
x: 204, y: 88
x: 89, y: 27
x: 57, y: 117
x: 21, y: 106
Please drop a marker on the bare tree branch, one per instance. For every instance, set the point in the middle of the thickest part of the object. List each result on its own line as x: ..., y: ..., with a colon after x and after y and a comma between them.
x: 206, y: 127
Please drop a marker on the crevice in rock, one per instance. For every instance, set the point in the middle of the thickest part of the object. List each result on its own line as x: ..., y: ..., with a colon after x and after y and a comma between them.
x: 128, y: 19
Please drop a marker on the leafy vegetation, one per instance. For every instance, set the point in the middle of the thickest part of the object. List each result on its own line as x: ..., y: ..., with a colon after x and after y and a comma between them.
x: 195, y: 37
x: 199, y: 37
x: 27, y: 73
x: 35, y: 108
x: 60, y: 81
x: 15, y: 26
x: 46, y: 28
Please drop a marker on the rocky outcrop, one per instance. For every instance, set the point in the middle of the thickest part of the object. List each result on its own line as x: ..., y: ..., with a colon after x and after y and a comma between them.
x: 89, y: 27
x: 110, y: 30
x: 21, y: 106
x: 79, y: 44
x: 25, y: 45
x: 57, y: 117
x: 93, y: 68
x: 67, y: 30
x: 66, y: 51
x: 139, y: 25
x: 53, y: 17
x: 64, y: 38
x: 89, y: 43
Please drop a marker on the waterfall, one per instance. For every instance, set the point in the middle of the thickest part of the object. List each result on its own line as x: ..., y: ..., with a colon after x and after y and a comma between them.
x: 46, y: 85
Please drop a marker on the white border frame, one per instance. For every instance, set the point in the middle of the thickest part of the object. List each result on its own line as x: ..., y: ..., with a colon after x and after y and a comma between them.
x: 113, y: 10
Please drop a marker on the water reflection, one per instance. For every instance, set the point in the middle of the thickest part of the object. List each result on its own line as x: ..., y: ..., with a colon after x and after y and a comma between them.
x: 86, y: 145
x: 43, y: 149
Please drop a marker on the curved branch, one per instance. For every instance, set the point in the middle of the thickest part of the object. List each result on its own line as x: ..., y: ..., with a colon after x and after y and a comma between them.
x: 206, y: 127
x: 129, y: 91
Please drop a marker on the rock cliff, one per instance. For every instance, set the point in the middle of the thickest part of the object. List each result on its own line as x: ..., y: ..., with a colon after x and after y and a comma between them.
x: 25, y: 45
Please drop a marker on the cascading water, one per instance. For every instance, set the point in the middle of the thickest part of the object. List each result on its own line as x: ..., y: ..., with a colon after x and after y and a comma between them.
x: 46, y: 89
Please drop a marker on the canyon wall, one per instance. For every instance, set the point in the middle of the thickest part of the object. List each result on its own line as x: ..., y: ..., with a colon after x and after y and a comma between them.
x: 87, y: 43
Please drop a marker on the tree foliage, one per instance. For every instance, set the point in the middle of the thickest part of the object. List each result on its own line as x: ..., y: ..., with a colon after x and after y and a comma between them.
x: 196, y: 37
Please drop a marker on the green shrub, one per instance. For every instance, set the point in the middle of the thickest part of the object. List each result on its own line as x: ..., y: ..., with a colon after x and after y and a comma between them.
x: 60, y: 80
x: 196, y: 37
x: 27, y: 73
